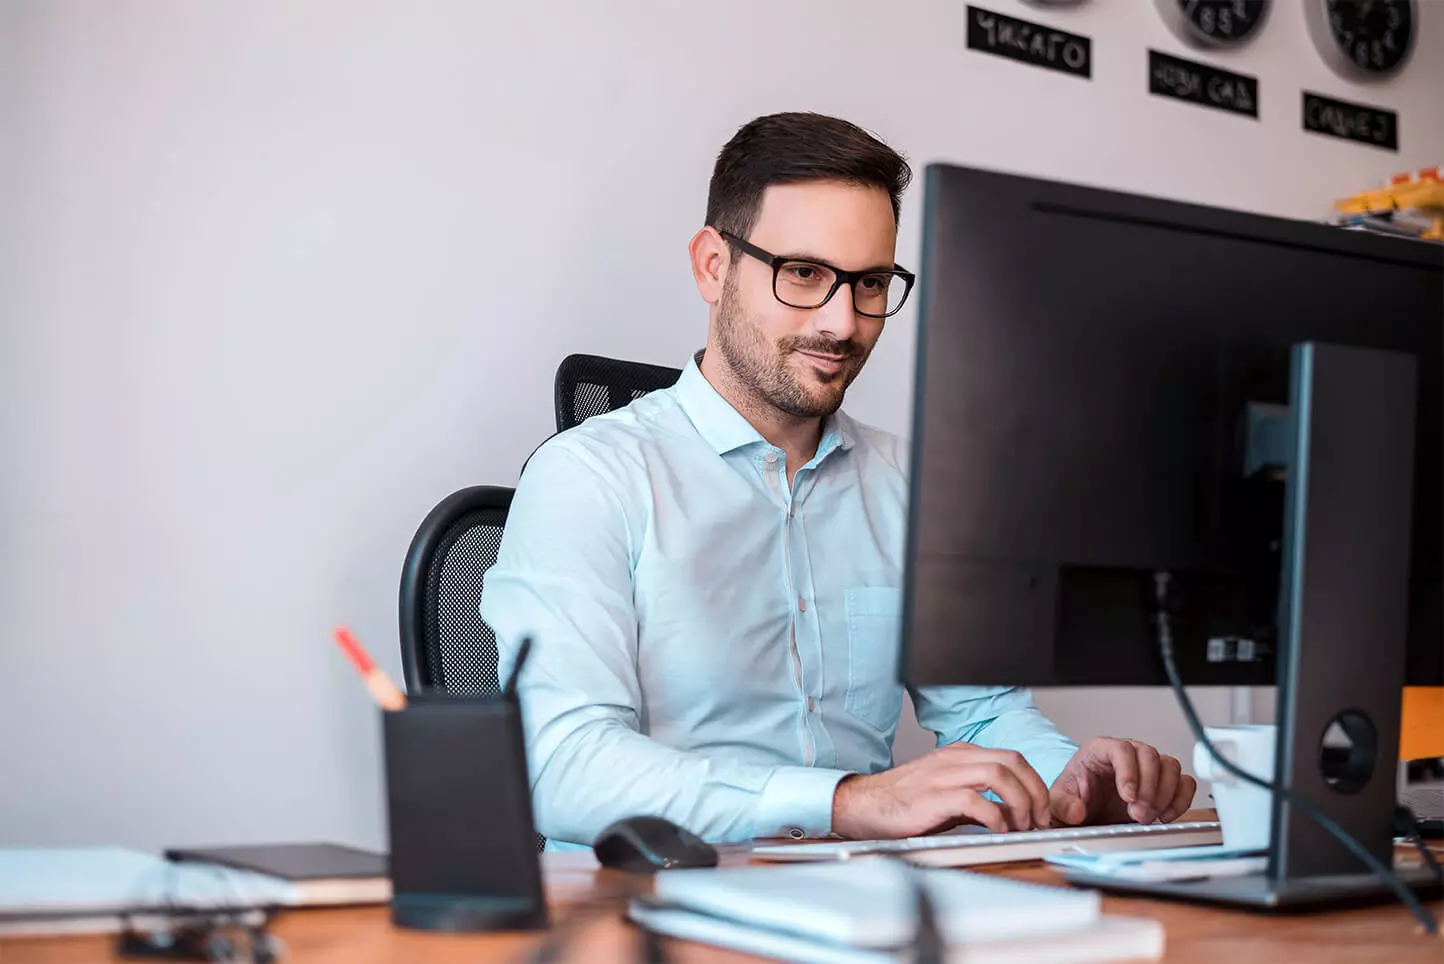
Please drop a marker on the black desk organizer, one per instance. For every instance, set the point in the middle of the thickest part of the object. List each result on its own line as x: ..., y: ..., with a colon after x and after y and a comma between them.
x: 463, y: 850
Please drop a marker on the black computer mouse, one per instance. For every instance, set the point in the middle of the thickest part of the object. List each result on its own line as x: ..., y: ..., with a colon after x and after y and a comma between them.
x: 645, y: 845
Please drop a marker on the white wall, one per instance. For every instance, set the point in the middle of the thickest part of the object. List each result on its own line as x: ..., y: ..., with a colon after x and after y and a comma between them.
x: 275, y: 277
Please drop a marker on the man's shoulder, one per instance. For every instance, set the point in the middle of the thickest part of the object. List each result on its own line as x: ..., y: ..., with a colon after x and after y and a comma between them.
x: 616, y: 443
x: 876, y: 445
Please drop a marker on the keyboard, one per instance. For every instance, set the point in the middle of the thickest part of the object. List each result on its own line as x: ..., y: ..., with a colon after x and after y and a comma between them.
x: 975, y: 846
x: 1427, y: 801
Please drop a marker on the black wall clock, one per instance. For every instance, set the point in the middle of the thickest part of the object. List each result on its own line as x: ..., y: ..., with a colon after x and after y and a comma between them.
x: 1363, y: 39
x: 1214, y: 23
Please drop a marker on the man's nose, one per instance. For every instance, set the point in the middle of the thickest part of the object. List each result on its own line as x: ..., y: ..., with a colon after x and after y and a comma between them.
x: 838, y: 318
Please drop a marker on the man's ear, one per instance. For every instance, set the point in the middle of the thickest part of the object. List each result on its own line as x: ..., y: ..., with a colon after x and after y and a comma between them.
x: 711, y: 259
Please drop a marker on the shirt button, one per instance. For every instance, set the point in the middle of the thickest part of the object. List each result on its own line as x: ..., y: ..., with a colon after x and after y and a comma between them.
x: 771, y: 457
x: 811, y: 705
x: 801, y: 604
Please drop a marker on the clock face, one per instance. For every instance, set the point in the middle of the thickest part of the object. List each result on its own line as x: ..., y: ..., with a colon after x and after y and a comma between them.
x: 1363, y: 38
x: 1214, y: 23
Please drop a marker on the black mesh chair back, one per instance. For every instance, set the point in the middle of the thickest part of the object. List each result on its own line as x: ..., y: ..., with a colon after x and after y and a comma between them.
x: 589, y: 385
x: 445, y: 645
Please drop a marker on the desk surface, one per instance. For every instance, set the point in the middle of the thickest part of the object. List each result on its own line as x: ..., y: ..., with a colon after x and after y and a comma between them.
x: 1195, y: 934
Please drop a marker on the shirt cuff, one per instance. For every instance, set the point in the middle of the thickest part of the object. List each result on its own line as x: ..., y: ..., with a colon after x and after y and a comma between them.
x: 797, y: 802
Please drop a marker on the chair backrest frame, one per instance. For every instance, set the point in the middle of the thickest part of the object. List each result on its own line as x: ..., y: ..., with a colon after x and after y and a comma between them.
x: 455, y: 518
x: 614, y: 384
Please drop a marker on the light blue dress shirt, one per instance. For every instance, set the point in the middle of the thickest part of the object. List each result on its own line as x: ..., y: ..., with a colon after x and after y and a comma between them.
x: 709, y: 644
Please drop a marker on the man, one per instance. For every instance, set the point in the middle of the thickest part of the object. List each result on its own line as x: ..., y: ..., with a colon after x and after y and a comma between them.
x: 711, y: 576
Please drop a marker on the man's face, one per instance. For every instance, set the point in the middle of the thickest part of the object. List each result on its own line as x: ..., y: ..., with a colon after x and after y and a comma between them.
x: 800, y: 361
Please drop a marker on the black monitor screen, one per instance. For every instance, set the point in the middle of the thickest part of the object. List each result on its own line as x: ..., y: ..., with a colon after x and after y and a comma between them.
x: 1100, y: 377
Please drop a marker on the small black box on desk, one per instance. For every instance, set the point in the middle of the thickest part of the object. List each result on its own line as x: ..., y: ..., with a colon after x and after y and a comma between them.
x: 463, y: 845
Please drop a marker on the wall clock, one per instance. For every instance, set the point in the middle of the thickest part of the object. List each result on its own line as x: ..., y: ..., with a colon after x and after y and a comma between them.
x: 1363, y: 39
x: 1214, y: 23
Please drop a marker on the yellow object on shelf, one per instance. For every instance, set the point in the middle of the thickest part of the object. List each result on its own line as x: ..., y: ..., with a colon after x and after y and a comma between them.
x: 1421, y: 734
x: 1419, y: 193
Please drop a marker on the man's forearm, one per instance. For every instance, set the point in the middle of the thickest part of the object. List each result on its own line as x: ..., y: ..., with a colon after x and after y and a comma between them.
x: 604, y: 771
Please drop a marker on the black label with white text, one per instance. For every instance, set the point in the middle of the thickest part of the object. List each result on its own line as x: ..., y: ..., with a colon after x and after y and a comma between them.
x: 1351, y: 122
x: 1034, y: 44
x: 1202, y: 84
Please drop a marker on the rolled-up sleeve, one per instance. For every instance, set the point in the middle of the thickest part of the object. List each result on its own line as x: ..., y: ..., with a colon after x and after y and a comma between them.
x: 564, y: 578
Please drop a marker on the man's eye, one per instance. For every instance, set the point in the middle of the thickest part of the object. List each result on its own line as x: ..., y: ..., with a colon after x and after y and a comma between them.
x: 804, y: 273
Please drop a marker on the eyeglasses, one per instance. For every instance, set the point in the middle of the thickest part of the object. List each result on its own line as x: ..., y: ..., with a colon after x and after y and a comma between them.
x: 799, y: 283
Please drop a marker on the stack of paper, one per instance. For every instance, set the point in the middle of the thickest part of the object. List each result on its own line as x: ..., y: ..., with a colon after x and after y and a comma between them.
x: 864, y: 911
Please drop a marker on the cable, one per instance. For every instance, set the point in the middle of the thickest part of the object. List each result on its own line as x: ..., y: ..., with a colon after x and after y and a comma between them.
x: 1387, y: 875
x: 1407, y: 826
x: 928, y: 944
x: 604, y: 901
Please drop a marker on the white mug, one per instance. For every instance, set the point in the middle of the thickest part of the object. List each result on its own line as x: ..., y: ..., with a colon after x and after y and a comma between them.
x: 1245, y: 810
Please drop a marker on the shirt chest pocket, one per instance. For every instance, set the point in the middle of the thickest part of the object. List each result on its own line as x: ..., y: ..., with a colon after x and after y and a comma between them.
x: 874, y: 622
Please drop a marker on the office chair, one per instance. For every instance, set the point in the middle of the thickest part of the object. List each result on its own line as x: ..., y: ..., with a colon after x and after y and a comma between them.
x: 445, y: 645
x: 588, y: 385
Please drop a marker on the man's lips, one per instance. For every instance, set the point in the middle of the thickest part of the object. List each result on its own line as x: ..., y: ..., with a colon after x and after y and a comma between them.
x: 827, y: 363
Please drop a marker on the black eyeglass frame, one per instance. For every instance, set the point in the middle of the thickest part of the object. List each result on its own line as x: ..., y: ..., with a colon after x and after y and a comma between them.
x: 840, y: 277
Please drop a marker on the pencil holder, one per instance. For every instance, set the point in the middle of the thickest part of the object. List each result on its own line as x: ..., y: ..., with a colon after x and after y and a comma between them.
x: 463, y: 850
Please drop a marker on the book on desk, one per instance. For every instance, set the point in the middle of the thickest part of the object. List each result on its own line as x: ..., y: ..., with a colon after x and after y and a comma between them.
x: 863, y: 911
x: 58, y: 890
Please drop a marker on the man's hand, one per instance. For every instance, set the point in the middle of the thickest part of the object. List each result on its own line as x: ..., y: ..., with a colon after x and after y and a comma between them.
x: 941, y: 790
x: 1117, y: 781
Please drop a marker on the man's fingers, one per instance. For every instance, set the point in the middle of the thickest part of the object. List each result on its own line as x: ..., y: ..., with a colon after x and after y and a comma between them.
x: 1068, y: 808
x: 1036, y: 789
x: 1006, y: 772
x: 1144, y: 808
x: 1006, y: 784
x: 1169, y: 772
x: 1123, y: 758
x: 977, y: 808
x: 1182, y: 798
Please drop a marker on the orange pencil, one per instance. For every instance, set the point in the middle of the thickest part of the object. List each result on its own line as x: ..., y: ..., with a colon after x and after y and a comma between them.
x: 382, y: 689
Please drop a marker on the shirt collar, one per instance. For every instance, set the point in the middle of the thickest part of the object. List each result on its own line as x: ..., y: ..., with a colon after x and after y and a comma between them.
x: 724, y: 428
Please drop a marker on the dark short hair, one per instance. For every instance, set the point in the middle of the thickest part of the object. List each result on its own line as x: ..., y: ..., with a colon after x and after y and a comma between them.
x: 792, y: 148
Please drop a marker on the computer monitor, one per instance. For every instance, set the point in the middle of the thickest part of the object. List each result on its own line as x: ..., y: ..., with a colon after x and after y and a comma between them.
x: 1111, y: 386
x: 1095, y: 373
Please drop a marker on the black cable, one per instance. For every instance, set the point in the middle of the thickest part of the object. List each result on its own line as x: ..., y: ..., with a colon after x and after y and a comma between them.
x: 563, y: 930
x: 928, y: 946
x: 1386, y: 874
x: 653, y: 951
x: 1408, y: 826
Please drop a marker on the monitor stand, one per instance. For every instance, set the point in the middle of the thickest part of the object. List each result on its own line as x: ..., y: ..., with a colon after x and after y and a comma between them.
x: 1344, y: 622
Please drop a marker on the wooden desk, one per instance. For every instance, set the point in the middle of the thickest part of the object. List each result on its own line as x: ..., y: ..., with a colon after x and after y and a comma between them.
x: 1196, y: 935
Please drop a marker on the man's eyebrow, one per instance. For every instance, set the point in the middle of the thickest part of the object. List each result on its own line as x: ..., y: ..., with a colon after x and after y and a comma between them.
x: 817, y: 259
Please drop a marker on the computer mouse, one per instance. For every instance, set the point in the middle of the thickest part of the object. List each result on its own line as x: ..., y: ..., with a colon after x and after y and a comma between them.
x: 645, y: 845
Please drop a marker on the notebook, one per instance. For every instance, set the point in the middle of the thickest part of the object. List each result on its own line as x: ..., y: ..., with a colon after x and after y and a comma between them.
x: 320, y: 874
x: 49, y: 890
x: 1106, y: 939
x: 863, y: 910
